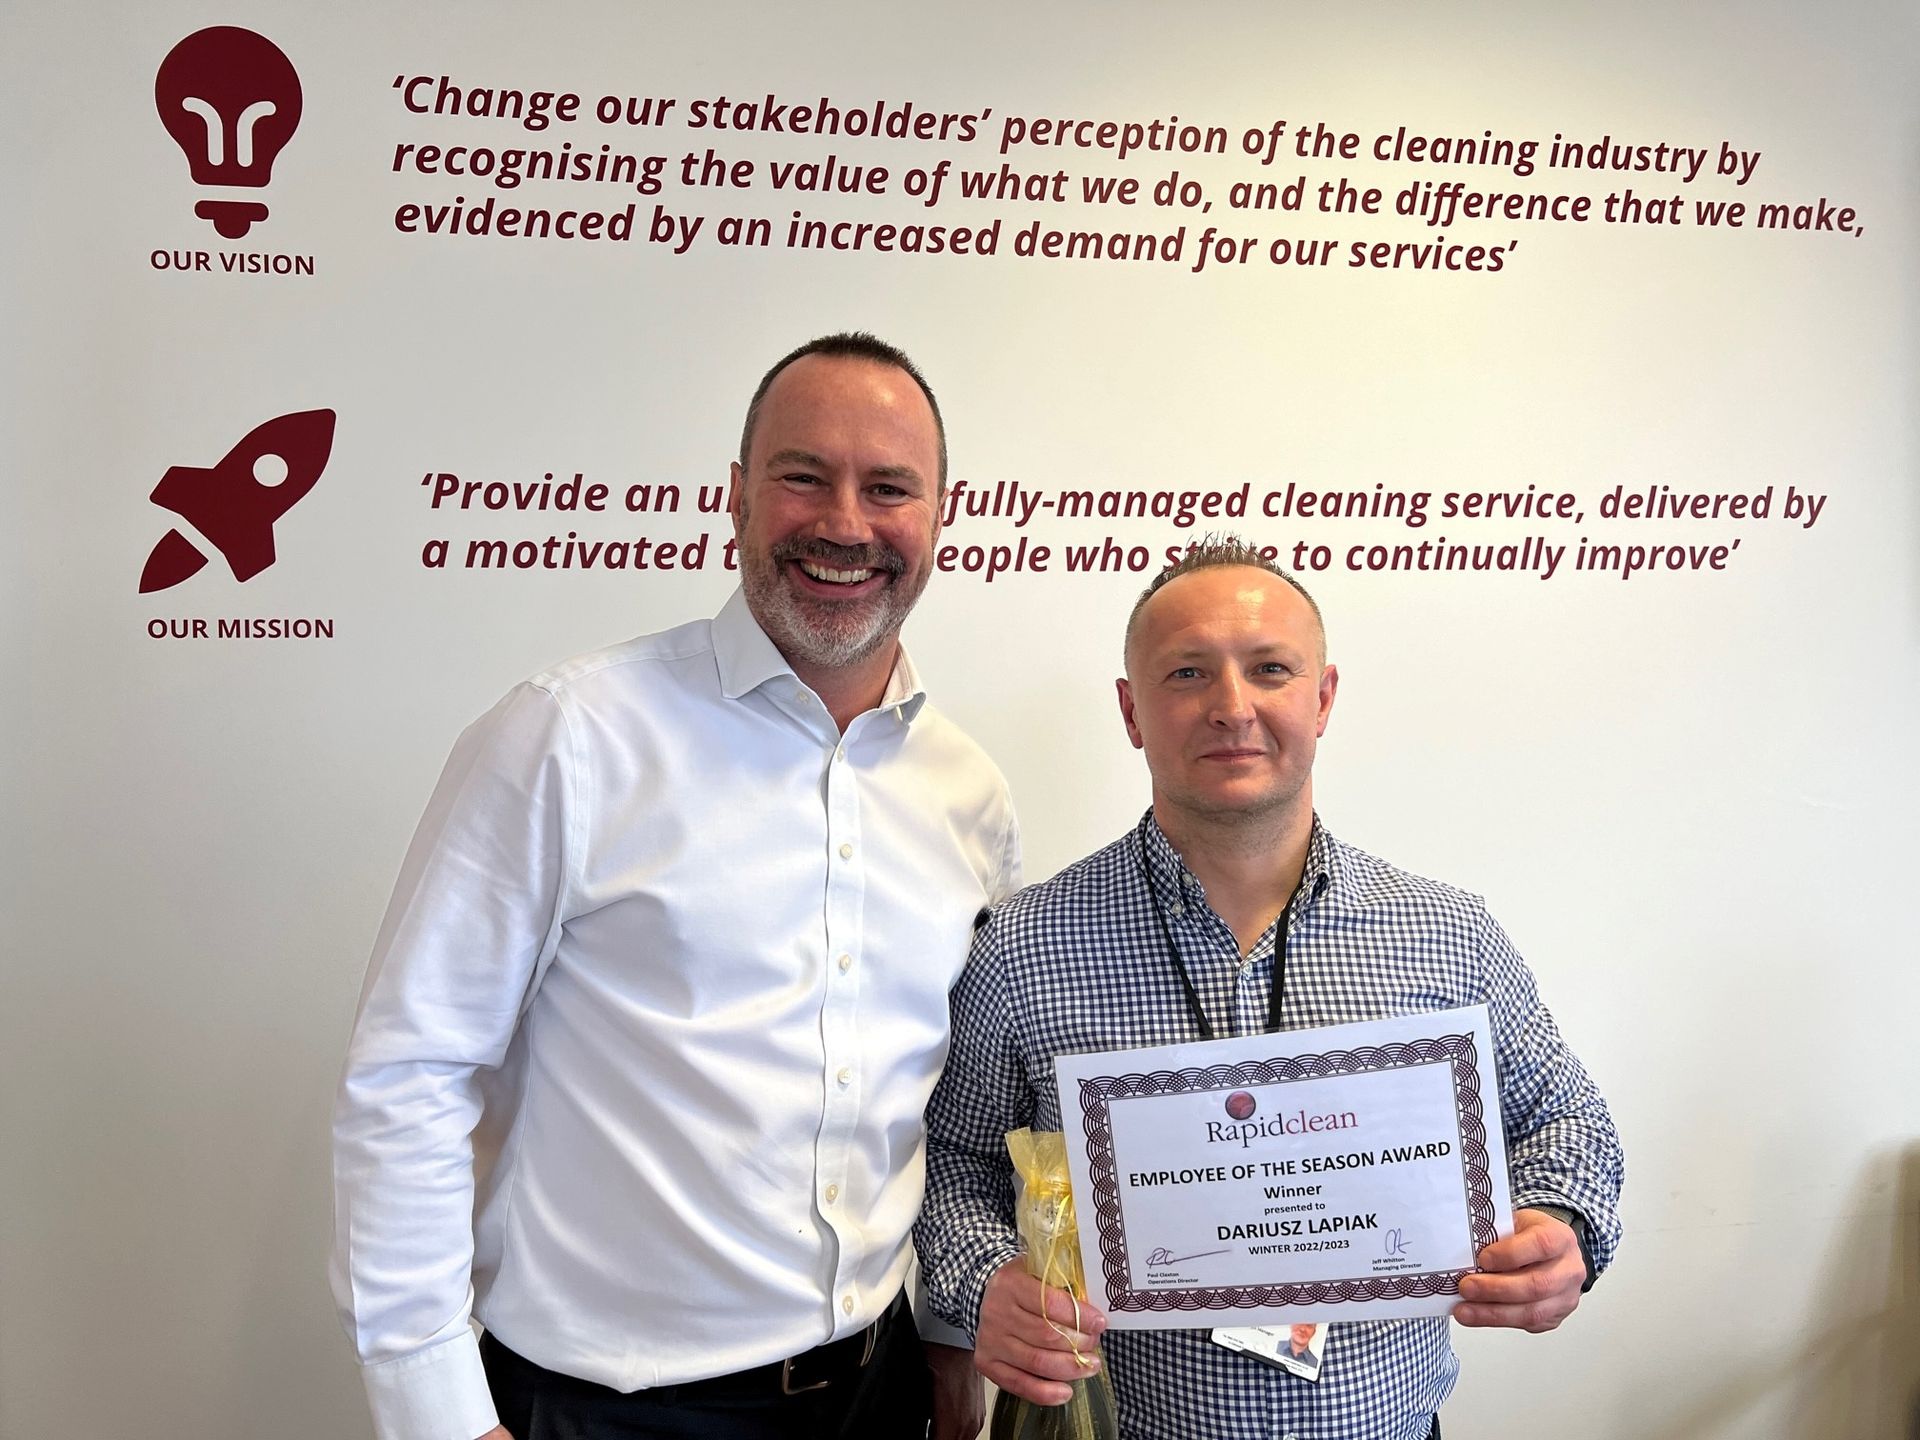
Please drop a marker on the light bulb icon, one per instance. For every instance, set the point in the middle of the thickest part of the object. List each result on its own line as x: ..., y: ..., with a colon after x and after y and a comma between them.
x: 231, y: 100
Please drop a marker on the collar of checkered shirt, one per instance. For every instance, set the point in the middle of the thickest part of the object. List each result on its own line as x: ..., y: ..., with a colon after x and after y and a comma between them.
x: 1172, y: 882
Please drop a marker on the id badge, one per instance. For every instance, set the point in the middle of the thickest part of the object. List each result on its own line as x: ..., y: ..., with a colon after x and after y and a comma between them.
x: 1298, y: 1349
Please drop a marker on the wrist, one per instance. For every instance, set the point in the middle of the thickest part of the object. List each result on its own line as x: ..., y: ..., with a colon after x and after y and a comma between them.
x: 1582, y: 1233
x: 984, y: 1275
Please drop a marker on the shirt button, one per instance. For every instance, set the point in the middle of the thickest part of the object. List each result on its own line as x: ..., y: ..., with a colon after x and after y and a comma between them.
x: 846, y: 963
x: 846, y: 1303
x: 833, y: 1193
x: 845, y: 1077
x: 846, y: 852
x: 840, y: 752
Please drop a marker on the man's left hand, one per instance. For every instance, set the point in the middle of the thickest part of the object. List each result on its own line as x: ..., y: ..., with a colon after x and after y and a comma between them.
x: 1530, y: 1281
x: 959, y: 1395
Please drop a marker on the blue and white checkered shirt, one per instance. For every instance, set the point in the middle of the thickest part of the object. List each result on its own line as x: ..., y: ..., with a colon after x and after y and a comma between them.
x: 1080, y: 964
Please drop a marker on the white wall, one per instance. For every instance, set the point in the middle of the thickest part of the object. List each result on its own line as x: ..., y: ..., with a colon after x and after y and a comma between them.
x: 1689, y: 796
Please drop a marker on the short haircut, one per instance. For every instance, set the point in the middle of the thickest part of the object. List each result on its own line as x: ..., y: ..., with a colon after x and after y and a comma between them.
x: 847, y: 345
x: 1210, y: 552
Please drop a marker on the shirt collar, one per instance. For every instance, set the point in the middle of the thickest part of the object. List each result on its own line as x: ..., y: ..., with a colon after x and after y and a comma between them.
x: 1167, y: 875
x: 1320, y: 870
x: 904, y: 690
x: 1171, y: 881
x: 747, y: 659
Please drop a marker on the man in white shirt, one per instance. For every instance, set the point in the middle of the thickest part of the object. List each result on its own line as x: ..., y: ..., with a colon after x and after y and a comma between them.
x: 639, y: 1069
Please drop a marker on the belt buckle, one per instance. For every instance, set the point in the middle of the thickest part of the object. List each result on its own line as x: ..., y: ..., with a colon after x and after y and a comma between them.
x: 787, y: 1387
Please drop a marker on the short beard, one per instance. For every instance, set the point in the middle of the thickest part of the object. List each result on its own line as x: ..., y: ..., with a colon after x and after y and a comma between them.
x: 819, y: 631
x: 1248, y: 825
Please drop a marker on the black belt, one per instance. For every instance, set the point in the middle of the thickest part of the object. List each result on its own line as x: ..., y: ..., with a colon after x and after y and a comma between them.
x: 835, y: 1363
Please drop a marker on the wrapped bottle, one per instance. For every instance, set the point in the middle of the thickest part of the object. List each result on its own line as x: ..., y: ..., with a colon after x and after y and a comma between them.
x: 1043, y: 1213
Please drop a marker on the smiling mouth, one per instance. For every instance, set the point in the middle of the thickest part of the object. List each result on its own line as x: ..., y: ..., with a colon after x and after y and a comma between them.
x: 828, y: 576
x: 821, y: 567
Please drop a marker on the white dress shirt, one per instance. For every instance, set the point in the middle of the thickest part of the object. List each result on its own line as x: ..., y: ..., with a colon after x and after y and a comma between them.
x: 669, y: 956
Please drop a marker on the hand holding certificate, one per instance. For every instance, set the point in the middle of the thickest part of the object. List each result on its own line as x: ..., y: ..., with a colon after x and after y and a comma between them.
x: 1529, y: 1280
x: 1348, y: 1173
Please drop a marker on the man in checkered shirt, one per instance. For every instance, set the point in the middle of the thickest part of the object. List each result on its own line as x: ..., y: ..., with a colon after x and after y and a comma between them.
x: 1227, y: 691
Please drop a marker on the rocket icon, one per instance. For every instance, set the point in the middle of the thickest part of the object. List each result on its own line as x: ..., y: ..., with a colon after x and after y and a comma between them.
x: 235, y: 504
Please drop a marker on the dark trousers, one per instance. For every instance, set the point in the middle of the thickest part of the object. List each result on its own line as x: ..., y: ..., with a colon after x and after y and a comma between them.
x: 889, y: 1398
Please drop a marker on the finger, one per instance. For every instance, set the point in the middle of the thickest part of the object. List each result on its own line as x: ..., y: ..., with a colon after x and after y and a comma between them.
x: 1049, y: 1364
x: 1021, y: 1352
x: 1021, y: 1304
x: 1027, y: 1387
x: 1537, y: 1318
x: 1061, y: 1308
x: 1518, y: 1287
x: 1037, y: 1334
x: 1064, y: 1365
x: 1527, y: 1247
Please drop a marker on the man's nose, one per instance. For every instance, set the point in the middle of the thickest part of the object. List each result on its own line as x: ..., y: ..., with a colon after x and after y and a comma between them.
x: 841, y: 518
x: 1231, y: 707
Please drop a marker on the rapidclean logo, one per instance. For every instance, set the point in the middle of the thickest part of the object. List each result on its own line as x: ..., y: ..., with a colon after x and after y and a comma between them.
x: 1242, y: 1127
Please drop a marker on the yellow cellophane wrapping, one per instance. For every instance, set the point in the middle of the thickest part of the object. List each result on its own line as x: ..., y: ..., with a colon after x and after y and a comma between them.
x: 1043, y: 1213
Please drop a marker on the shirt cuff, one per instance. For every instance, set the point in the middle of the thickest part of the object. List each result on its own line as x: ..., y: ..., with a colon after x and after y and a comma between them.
x: 936, y: 1331
x: 930, y: 1325
x: 437, y: 1394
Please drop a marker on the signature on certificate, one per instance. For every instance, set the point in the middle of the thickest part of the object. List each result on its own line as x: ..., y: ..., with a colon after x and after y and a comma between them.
x: 1157, y: 1258
x: 1396, y: 1242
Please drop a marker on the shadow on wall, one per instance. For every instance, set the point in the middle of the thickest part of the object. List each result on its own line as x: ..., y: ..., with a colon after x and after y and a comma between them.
x: 1853, y: 1380
x: 1863, y: 1378
x: 1904, y: 1336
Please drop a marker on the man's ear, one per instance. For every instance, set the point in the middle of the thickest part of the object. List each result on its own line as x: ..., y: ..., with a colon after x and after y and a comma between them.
x: 1125, y: 693
x: 736, y: 496
x: 1329, y: 682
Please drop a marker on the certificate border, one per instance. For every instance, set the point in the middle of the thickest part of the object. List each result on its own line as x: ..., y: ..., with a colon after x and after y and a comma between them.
x: 1096, y: 1101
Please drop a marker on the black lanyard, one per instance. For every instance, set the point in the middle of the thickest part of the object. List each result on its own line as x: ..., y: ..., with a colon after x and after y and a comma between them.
x: 1275, y: 996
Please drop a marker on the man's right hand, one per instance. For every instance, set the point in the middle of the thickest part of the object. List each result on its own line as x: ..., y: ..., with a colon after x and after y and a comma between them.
x: 498, y: 1432
x: 1028, y: 1334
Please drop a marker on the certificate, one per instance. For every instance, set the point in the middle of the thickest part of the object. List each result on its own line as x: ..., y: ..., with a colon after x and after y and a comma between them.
x: 1347, y: 1173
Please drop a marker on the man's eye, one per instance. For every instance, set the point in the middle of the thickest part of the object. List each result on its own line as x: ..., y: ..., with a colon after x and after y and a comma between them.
x: 801, y: 478
x: 1274, y: 667
x: 889, y: 492
x: 1185, y: 672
